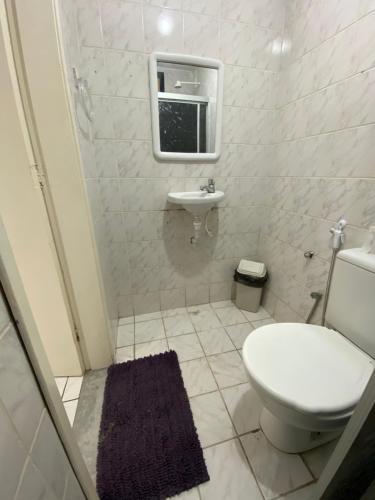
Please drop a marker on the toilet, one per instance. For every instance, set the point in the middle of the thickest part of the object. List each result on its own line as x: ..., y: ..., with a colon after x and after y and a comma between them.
x: 310, y: 378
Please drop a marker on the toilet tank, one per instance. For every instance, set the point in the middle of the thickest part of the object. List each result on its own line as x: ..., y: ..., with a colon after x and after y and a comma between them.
x: 351, y: 302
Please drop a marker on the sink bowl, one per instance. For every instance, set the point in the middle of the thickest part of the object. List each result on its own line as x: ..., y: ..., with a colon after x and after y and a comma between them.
x: 196, y: 202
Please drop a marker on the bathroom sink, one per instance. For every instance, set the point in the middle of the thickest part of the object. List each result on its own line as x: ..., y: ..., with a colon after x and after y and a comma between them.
x: 196, y: 202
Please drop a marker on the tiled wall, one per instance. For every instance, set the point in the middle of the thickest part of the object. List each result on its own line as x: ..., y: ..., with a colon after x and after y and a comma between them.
x: 325, y: 159
x: 147, y: 260
x: 298, y: 148
x: 33, y: 464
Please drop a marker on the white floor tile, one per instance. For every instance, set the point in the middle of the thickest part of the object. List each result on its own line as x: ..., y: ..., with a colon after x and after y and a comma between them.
x: 125, y: 335
x: 197, y: 376
x: 203, y: 317
x: 186, y: 346
x: 239, y: 333
x: 228, y: 369
x: 261, y: 314
x: 71, y: 409
x: 149, y: 348
x: 173, y: 312
x: 301, y: 494
x: 72, y: 388
x: 147, y: 317
x: 215, y: 341
x: 317, y: 458
x: 276, y: 472
x: 230, y: 316
x: 231, y: 477
x: 221, y: 303
x: 126, y: 321
x: 263, y: 322
x: 124, y: 354
x: 211, y: 418
x: 149, y: 330
x: 61, y: 382
x: 187, y: 495
x: 178, y: 324
x: 244, y: 407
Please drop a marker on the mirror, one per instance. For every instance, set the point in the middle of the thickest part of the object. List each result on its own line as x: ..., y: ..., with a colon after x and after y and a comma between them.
x: 186, y: 107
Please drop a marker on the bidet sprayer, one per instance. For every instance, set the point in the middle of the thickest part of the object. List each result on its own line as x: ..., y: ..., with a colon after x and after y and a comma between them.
x: 338, y: 235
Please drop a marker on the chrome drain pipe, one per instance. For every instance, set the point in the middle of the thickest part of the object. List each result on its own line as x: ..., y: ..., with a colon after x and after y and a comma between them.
x: 317, y: 296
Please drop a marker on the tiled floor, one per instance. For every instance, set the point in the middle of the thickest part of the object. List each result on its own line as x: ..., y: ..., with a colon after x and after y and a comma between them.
x: 69, y: 389
x: 208, y: 340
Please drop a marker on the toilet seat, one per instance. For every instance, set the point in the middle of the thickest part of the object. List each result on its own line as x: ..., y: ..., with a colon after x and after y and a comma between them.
x: 308, y: 368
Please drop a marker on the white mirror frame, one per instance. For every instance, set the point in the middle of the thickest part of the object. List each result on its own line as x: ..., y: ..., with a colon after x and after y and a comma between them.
x: 194, y: 61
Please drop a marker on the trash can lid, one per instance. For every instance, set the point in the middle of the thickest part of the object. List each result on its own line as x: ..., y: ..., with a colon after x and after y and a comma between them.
x: 251, y: 268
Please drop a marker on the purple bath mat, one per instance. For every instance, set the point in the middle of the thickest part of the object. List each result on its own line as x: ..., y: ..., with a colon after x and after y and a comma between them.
x: 148, y: 445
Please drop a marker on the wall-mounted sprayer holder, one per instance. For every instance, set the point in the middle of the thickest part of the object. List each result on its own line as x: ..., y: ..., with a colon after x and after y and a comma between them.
x: 338, y: 235
x: 337, y: 240
x: 84, y: 97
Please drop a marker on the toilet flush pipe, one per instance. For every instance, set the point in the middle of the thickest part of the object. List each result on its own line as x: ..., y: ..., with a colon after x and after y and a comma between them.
x: 338, y: 238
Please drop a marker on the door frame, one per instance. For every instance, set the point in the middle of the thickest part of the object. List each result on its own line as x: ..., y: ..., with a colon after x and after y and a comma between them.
x: 37, y: 53
x: 26, y: 221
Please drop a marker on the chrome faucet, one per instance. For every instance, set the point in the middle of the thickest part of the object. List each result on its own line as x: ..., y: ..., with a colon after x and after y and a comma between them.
x: 210, y: 188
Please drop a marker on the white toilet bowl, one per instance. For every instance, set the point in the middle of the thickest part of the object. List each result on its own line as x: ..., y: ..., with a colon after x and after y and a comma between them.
x: 309, y: 378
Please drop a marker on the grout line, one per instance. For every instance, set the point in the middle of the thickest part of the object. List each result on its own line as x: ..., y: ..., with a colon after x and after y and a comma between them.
x: 322, y: 89
x: 69, y: 400
x: 308, y: 467
x: 315, y: 47
x: 63, y: 391
x: 230, y: 418
x: 237, y: 436
x: 282, y: 495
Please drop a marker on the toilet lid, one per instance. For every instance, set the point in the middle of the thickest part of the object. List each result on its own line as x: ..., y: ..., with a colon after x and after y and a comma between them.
x: 310, y: 368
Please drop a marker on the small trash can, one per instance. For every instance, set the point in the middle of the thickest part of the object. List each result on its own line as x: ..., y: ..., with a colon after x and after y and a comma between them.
x: 250, y: 278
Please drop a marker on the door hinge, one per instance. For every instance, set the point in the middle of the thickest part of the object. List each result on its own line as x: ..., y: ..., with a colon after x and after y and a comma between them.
x: 38, y: 176
x: 76, y: 333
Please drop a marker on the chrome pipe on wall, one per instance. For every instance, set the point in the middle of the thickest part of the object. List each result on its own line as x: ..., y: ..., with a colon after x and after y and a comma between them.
x: 338, y: 239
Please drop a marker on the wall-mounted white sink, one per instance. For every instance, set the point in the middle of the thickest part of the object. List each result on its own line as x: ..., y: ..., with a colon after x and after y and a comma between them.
x: 196, y: 202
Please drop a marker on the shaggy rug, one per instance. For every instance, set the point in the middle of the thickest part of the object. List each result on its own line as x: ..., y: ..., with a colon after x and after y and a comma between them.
x: 148, y: 444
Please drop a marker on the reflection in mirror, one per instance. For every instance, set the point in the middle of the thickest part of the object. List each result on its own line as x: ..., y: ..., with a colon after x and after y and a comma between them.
x: 186, y: 106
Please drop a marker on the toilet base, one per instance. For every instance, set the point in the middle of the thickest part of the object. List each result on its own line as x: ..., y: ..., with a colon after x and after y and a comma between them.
x: 289, y: 438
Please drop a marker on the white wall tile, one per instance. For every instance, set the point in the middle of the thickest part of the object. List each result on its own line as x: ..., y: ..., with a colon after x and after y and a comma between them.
x: 128, y: 75
x: 131, y: 118
x: 92, y: 68
x: 209, y: 7
x: 12, y: 456
x: 326, y: 120
x: 48, y: 455
x: 201, y: 35
x: 17, y: 387
x: 102, y: 122
x: 129, y: 197
x: 122, y: 25
x: 33, y: 485
x: 163, y: 29
x: 324, y: 125
x: 89, y: 24
x: 235, y: 43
